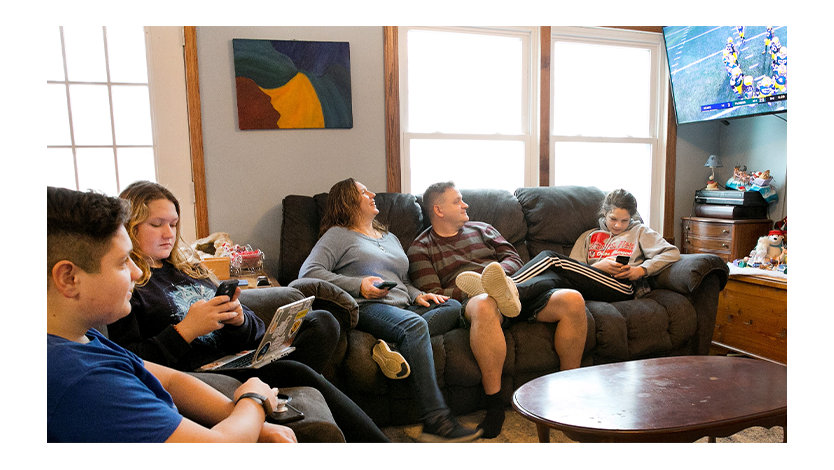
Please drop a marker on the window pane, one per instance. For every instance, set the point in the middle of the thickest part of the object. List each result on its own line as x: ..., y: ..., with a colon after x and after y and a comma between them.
x: 90, y: 109
x: 85, y: 53
x: 126, y: 54
x: 464, y: 83
x: 607, y: 166
x: 132, y: 115
x: 96, y: 170
x: 59, y: 170
x: 136, y: 164
x: 55, y: 58
x: 601, y: 90
x: 470, y: 164
x: 57, y: 125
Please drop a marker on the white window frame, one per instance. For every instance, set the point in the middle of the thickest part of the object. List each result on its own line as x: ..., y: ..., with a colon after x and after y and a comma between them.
x: 530, y: 74
x: 659, y: 102
x: 169, y: 118
x: 108, y: 84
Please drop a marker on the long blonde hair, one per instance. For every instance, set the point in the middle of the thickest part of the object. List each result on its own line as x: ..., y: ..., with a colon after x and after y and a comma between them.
x: 140, y: 194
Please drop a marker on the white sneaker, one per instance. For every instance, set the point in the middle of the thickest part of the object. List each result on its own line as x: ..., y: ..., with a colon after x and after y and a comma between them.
x: 390, y: 362
x: 500, y: 287
x: 470, y: 282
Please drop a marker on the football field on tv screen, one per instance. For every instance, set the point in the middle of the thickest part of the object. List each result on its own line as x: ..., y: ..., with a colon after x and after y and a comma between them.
x: 699, y: 76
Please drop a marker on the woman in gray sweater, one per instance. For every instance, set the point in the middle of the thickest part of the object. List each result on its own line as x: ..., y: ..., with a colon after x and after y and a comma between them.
x: 357, y: 253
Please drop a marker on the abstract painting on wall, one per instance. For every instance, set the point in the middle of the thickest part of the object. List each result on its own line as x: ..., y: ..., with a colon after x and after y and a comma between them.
x: 292, y: 84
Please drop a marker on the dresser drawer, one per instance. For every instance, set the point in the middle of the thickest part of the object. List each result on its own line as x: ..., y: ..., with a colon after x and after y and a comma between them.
x: 709, y: 230
x: 707, y: 244
x: 730, y: 239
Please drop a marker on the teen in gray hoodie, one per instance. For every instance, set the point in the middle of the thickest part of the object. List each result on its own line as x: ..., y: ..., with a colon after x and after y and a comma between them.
x: 592, y: 268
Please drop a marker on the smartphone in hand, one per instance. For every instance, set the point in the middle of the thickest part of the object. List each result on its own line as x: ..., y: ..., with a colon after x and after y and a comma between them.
x: 385, y: 284
x: 622, y: 259
x: 227, y: 287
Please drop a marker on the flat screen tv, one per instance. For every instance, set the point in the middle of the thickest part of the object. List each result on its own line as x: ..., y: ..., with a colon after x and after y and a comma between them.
x: 726, y: 72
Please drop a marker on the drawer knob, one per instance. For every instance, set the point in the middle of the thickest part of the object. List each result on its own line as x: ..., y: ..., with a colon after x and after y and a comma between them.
x: 725, y: 245
x: 748, y: 322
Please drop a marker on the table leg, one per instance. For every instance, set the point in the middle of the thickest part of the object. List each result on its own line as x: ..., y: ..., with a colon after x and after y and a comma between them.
x: 543, y: 432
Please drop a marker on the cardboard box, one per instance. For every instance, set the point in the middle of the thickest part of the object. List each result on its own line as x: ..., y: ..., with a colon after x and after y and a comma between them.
x: 219, y: 266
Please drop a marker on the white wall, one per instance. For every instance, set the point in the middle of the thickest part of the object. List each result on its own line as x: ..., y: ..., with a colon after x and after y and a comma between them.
x: 248, y: 173
x: 170, y: 110
x: 758, y: 142
x: 761, y: 144
x: 695, y: 143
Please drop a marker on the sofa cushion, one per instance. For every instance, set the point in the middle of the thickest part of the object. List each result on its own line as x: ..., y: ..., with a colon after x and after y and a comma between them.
x: 299, y: 233
x: 611, y: 332
x: 682, y: 320
x: 556, y: 216
x: 402, y: 215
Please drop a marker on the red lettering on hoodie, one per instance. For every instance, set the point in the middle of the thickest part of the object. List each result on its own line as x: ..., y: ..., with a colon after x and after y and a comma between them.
x: 599, y: 248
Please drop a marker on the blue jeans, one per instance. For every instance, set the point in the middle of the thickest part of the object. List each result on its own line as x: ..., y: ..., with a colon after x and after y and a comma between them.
x: 406, y: 328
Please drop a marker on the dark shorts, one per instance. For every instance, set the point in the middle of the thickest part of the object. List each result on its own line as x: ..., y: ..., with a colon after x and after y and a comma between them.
x: 531, y: 308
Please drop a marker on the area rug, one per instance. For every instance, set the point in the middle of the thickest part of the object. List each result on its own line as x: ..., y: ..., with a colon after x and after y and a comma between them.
x: 520, y: 430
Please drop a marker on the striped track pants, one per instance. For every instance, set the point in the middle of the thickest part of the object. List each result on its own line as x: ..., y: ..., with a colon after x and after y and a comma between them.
x: 566, y: 272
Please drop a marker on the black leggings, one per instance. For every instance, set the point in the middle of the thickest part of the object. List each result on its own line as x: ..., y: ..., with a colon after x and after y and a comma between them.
x: 316, y: 339
x: 354, y: 423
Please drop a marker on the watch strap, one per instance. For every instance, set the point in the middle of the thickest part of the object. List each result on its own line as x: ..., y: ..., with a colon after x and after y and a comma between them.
x: 262, y: 400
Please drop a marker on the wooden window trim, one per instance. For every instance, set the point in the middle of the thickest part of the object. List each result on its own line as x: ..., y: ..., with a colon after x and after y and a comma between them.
x: 195, y: 130
x: 391, y: 71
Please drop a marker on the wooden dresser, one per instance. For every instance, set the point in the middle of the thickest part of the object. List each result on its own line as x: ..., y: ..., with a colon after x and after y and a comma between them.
x: 730, y: 239
x: 752, y: 317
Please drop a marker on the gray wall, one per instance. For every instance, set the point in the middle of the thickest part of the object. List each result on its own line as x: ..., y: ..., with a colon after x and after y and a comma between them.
x: 758, y: 142
x: 248, y: 173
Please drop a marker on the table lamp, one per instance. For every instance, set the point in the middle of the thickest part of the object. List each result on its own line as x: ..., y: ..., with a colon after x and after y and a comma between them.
x: 713, y: 162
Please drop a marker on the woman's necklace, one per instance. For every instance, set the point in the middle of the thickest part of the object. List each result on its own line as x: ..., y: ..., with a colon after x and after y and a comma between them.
x: 374, y: 235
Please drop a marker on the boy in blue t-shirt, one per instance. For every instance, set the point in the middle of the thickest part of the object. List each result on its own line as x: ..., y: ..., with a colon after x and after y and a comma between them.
x: 100, y: 392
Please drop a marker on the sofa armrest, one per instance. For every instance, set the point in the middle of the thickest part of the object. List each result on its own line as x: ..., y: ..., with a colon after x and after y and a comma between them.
x: 264, y: 301
x: 318, y: 424
x: 686, y: 275
x: 332, y: 298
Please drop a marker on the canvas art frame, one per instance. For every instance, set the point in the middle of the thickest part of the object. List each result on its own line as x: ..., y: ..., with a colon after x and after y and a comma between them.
x: 289, y: 84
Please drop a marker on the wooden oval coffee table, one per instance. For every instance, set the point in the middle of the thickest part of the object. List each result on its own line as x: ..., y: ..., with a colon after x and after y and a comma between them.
x: 672, y: 399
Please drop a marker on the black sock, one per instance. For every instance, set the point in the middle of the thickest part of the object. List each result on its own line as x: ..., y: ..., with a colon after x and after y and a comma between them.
x: 494, y: 419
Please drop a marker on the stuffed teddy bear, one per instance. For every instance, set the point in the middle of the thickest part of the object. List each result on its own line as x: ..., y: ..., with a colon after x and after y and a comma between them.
x: 770, y: 248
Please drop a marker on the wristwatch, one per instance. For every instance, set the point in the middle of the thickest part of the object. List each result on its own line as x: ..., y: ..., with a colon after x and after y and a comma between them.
x: 262, y: 400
